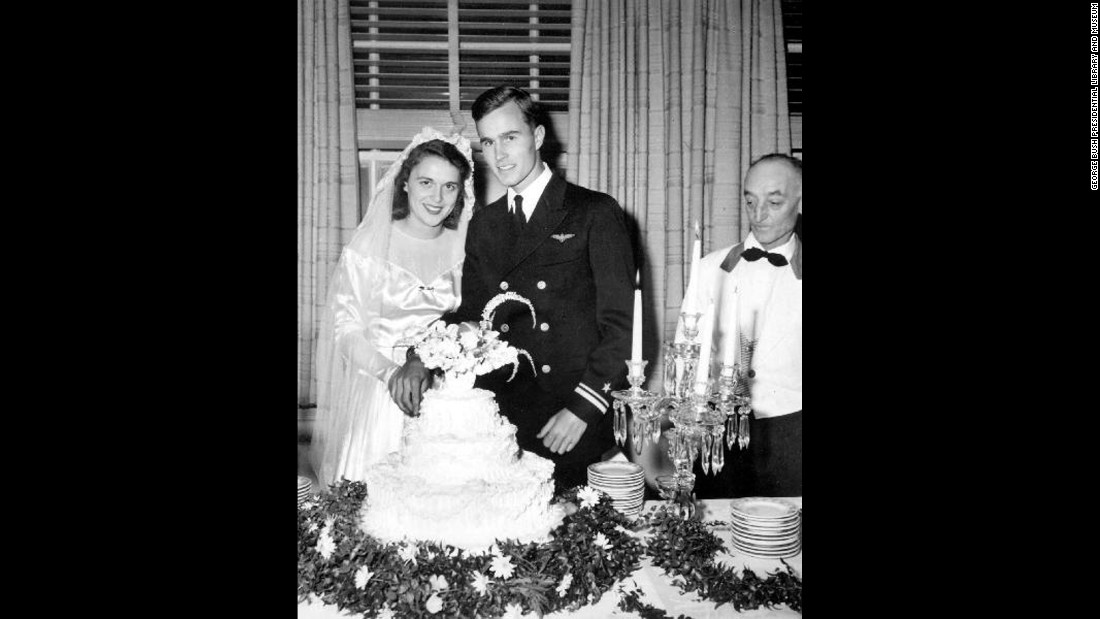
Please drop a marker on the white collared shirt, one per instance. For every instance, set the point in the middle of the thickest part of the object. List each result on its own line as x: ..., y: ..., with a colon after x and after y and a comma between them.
x: 532, y: 194
x: 771, y: 310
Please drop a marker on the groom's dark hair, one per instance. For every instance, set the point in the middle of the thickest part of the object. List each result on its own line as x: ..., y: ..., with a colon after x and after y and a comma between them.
x: 495, y: 98
x: 445, y: 151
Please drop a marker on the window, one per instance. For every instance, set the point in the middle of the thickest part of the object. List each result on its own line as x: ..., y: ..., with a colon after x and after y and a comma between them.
x: 403, y: 52
x: 792, y: 32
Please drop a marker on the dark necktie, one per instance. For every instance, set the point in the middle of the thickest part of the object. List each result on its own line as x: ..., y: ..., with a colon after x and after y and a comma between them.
x: 753, y: 254
x: 517, y: 214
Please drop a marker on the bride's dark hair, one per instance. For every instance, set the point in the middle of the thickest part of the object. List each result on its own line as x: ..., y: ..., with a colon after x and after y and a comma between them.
x: 435, y: 148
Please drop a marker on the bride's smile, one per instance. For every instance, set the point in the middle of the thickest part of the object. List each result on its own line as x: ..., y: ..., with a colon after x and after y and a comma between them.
x: 432, y: 188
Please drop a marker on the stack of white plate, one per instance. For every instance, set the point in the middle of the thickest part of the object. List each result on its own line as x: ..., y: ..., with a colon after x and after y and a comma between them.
x: 623, y: 481
x: 304, y: 486
x: 766, y: 527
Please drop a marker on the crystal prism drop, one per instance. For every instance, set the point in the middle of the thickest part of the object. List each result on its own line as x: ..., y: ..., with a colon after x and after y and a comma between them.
x: 719, y: 459
x: 706, y: 451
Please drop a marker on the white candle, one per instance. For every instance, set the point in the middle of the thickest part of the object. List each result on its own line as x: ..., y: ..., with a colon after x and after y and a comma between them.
x: 706, y: 334
x: 731, y: 311
x: 636, y: 344
x: 693, y: 279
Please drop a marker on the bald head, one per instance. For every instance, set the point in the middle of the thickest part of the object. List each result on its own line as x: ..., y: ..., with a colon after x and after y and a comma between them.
x: 794, y: 164
x: 773, y: 195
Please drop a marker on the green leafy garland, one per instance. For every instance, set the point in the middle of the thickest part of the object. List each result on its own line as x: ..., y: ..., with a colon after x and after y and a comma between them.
x: 587, y: 554
x: 686, y: 549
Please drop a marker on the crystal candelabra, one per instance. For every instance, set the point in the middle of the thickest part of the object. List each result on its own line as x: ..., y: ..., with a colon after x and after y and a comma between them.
x: 700, y: 414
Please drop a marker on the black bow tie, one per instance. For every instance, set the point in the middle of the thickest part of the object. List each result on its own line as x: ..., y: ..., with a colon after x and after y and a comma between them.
x: 753, y: 254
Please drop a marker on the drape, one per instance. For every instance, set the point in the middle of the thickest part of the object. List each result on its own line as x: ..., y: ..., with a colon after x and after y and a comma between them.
x: 328, y: 166
x: 669, y: 101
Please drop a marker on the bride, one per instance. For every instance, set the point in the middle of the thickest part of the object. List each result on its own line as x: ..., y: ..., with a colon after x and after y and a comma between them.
x: 401, y: 271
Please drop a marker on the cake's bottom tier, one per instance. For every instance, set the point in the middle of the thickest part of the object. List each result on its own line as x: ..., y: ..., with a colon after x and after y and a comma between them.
x: 472, y: 515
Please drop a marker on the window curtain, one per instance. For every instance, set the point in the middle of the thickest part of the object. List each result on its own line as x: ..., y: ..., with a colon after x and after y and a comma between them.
x: 669, y: 103
x: 328, y: 165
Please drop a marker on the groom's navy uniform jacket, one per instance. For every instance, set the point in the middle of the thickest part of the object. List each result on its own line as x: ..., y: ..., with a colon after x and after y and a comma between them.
x: 573, y: 260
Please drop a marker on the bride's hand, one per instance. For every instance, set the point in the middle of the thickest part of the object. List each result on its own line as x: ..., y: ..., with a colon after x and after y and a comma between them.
x: 408, y: 384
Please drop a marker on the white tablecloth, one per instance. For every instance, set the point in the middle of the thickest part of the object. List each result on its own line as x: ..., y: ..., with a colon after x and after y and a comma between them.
x: 657, y: 588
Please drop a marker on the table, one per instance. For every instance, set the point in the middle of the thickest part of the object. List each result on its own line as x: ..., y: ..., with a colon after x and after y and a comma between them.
x: 655, y: 585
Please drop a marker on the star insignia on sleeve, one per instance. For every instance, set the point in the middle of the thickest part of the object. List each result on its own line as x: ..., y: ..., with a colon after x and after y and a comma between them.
x: 606, y: 387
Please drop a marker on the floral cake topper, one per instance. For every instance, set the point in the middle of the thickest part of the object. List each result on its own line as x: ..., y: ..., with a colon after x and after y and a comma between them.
x: 463, y: 350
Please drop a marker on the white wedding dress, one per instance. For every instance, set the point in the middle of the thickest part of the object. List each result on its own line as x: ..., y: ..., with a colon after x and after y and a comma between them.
x: 376, y: 341
x: 387, y: 286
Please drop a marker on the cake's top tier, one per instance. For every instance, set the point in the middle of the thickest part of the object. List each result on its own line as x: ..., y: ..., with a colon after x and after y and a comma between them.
x: 459, y: 437
x: 460, y: 413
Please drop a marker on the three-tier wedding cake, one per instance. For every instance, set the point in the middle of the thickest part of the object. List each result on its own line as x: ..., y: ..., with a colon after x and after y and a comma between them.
x: 460, y: 478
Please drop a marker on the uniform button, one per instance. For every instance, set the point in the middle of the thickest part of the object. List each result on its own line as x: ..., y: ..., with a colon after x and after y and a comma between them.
x: 504, y: 285
x: 545, y: 369
x: 542, y: 286
x: 544, y: 327
x: 504, y: 328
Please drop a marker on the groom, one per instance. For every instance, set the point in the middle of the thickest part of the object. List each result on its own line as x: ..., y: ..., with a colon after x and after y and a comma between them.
x: 566, y: 249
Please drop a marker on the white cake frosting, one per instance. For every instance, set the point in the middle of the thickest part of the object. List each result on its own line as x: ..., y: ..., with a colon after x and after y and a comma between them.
x: 460, y: 478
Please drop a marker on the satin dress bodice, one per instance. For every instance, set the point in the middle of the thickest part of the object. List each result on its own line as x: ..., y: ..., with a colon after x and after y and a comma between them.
x: 390, y: 300
x: 409, y: 304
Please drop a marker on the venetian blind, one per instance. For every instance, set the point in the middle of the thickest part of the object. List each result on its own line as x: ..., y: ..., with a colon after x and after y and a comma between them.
x: 441, y: 54
x: 792, y: 32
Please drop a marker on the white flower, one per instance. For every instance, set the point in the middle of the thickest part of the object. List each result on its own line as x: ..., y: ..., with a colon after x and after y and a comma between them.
x: 589, y: 496
x: 325, y: 544
x: 362, y: 577
x: 450, y: 348
x: 434, y: 604
x: 481, y: 582
x: 312, y: 527
x: 407, y: 553
x: 431, y: 555
x: 385, y: 612
x: 566, y: 581
x: 495, y: 551
x: 513, y: 611
x: 452, y: 551
x: 502, y: 567
x: 437, y: 582
x: 601, y: 541
x: 468, y: 340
